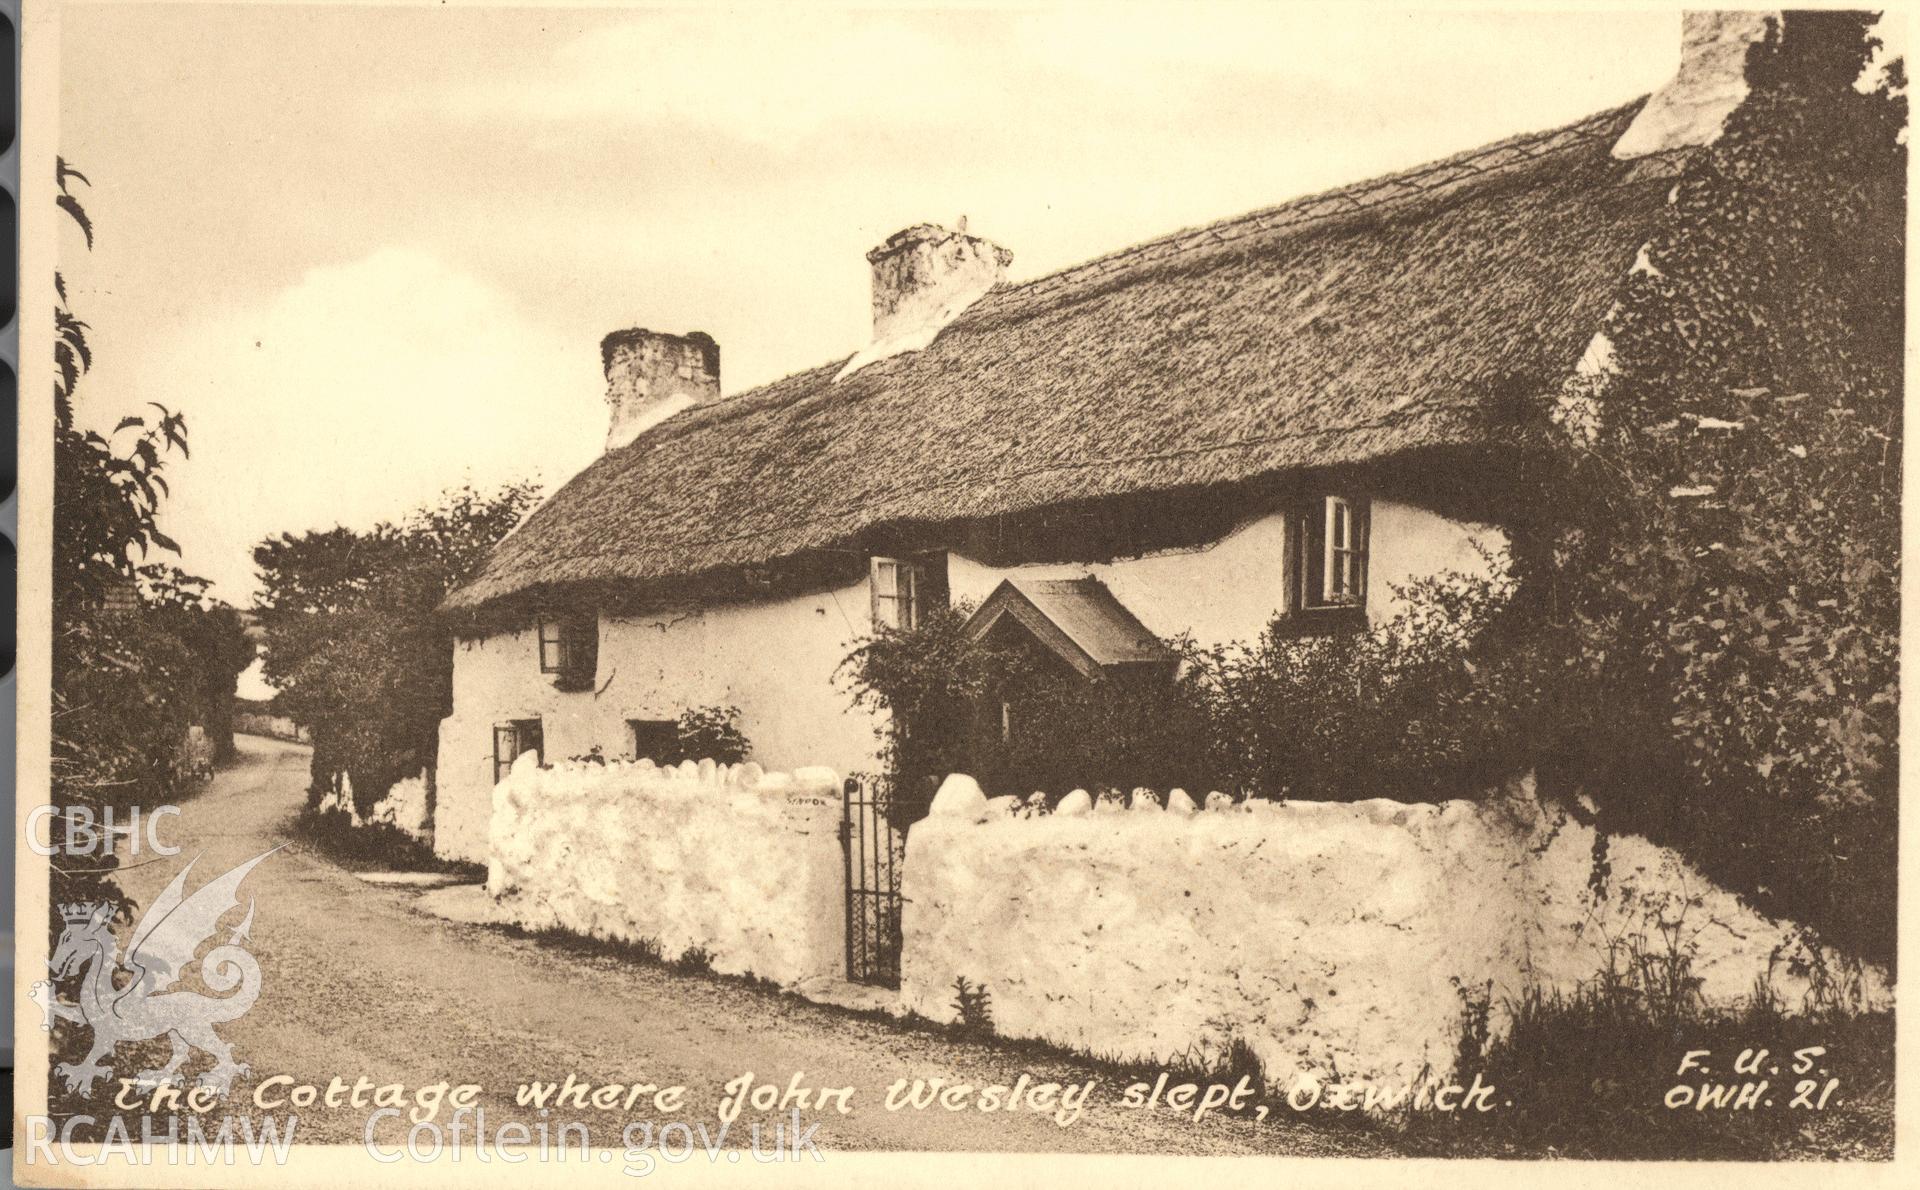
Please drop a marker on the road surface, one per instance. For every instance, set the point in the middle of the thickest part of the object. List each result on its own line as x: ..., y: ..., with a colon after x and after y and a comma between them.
x: 359, y: 981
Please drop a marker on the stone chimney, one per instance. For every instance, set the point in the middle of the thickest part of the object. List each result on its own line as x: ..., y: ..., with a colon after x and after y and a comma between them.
x: 651, y: 376
x: 1712, y: 80
x: 923, y: 277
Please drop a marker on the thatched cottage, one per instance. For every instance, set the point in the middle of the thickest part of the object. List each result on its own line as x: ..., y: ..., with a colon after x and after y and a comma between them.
x: 1287, y: 413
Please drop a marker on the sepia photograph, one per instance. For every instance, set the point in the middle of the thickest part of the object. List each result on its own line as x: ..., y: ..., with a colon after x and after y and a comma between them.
x: 918, y: 594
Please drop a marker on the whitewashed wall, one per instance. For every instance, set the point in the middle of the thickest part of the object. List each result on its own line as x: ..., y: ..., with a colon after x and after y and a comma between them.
x: 1224, y: 591
x: 1229, y: 590
x: 742, y: 864
x: 1408, y: 542
x: 773, y: 660
x: 776, y: 660
x: 1329, y: 937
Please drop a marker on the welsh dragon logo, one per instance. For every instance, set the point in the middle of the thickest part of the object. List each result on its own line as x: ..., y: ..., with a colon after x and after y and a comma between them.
x: 128, y: 1001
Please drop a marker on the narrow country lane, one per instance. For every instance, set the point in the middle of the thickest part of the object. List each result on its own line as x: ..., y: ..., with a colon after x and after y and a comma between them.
x: 358, y: 981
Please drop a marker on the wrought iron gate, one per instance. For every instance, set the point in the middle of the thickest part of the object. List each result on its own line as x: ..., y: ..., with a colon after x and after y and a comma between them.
x: 874, y: 851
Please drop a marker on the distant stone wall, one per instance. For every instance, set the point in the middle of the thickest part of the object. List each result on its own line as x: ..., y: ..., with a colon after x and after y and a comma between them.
x: 277, y: 727
x: 1329, y: 937
x: 741, y: 864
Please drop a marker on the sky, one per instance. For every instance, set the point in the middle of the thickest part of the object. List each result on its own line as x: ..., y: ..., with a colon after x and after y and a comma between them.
x: 370, y: 252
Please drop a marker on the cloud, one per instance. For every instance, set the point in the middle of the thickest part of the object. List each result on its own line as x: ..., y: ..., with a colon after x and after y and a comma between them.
x: 355, y: 395
x: 784, y: 74
x: 805, y: 75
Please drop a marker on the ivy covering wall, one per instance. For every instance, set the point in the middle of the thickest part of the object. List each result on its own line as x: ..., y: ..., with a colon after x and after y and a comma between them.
x: 1709, y: 624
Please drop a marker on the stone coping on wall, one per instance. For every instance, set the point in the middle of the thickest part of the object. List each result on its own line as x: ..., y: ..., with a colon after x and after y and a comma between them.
x: 1337, y: 939
x: 723, y: 864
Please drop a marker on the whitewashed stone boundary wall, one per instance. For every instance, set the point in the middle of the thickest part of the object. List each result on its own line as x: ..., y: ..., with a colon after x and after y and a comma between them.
x: 743, y: 864
x: 405, y: 806
x: 1332, y: 938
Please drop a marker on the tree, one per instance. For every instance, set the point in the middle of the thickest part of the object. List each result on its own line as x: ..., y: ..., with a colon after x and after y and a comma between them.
x: 138, y: 653
x: 117, y: 722
x: 353, y: 644
x: 106, y: 496
x: 216, y: 638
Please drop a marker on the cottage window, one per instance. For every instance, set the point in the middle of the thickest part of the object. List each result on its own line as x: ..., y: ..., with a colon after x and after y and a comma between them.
x: 513, y: 739
x: 1345, y: 576
x: 1332, y: 562
x: 570, y: 648
x: 657, y: 740
x: 906, y: 590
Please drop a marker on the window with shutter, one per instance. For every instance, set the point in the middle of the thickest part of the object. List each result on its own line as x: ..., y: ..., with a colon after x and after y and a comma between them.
x: 1330, y: 559
x: 892, y: 580
x: 907, y: 590
x: 513, y: 739
x: 570, y: 649
x: 1344, y: 577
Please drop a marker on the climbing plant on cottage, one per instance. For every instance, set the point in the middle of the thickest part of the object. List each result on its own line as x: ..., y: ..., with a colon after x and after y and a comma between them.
x: 1709, y: 595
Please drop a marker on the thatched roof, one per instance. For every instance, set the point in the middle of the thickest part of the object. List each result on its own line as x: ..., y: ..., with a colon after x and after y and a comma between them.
x: 1342, y: 328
